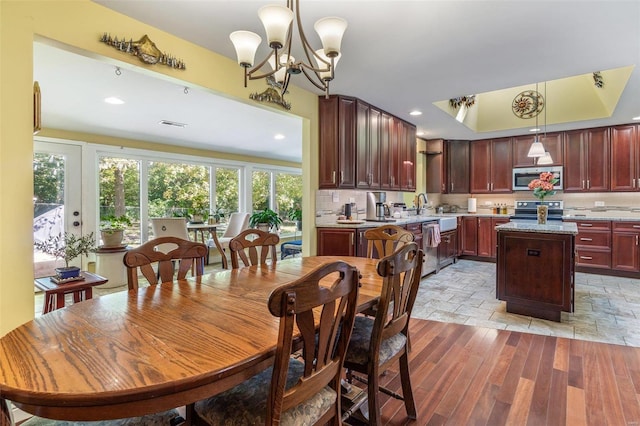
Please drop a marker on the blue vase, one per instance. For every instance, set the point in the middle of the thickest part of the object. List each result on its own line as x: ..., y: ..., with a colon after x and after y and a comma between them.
x: 66, y: 273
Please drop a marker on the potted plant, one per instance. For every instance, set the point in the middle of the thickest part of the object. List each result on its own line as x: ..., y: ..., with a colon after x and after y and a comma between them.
x: 266, y: 220
x: 67, y: 247
x: 295, y: 215
x: 112, y: 230
x: 216, y: 214
x: 197, y: 215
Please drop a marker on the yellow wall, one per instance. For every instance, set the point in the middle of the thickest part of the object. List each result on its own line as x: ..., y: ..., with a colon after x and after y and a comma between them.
x: 77, y: 25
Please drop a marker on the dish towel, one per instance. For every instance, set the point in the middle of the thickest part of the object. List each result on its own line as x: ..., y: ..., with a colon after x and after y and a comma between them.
x: 432, y: 239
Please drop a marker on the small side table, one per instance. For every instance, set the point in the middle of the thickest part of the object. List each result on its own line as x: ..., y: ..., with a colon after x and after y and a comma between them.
x: 54, y: 293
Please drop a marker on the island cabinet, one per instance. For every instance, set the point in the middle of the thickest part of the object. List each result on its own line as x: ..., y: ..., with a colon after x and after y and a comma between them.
x: 336, y: 242
x: 552, y: 142
x: 491, y: 166
x: 625, y: 255
x: 586, y: 160
x: 593, y: 244
x: 625, y: 158
x: 337, y: 133
x: 535, y: 273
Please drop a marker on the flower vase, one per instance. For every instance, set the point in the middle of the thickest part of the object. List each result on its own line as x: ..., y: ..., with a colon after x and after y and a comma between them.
x: 542, y: 214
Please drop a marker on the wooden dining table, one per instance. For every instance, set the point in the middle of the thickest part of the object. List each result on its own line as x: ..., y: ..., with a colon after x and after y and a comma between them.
x: 139, y: 352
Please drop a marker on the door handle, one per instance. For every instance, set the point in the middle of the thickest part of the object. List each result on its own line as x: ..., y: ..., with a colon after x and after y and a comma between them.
x: 586, y: 239
x: 76, y: 223
x: 586, y: 257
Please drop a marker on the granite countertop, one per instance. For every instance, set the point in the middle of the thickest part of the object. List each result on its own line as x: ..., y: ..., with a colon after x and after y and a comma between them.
x: 562, y: 228
x: 403, y: 220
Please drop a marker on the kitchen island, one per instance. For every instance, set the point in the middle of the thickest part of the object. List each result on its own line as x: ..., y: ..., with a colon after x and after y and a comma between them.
x: 535, y: 268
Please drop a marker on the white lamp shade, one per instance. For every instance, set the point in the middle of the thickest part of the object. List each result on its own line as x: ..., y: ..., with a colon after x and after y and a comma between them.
x: 331, y: 30
x: 280, y: 74
x: 327, y: 74
x: 462, y: 113
x: 536, y: 149
x: 276, y: 20
x: 246, y: 44
x: 545, y: 159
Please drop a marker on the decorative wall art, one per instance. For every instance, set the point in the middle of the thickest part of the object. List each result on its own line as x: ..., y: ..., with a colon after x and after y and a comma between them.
x: 271, y: 95
x: 467, y: 101
x: 527, y: 104
x: 145, y: 49
x: 37, y: 108
x: 598, y: 81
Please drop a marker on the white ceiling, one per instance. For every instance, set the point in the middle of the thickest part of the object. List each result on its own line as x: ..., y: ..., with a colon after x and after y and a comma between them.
x: 397, y: 55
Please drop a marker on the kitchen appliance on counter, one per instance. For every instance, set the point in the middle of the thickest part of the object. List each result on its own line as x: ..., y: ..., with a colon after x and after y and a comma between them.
x: 376, y: 206
x: 527, y: 211
x: 522, y: 177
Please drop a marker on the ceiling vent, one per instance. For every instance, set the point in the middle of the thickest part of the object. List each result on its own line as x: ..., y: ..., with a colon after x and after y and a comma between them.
x: 172, y: 123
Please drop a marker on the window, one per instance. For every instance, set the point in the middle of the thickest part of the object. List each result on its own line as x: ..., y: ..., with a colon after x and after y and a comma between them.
x: 119, y: 193
x: 227, y: 193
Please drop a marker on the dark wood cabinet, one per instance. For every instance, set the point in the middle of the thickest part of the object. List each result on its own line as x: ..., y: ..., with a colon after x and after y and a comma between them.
x: 435, y: 168
x: 337, y: 133
x: 552, y: 142
x: 586, y: 160
x: 456, y: 161
x: 478, y: 235
x: 625, y: 158
x: 490, y: 166
x: 368, y: 146
x: 336, y: 242
x: 625, y: 250
x: 469, y: 236
x: 448, y: 248
x: 494, y: 234
x: 408, y: 157
x: 593, y: 244
x: 389, y: 154
x: 485, y: 236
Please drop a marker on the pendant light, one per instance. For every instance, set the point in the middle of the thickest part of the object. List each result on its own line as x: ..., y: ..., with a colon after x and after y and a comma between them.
x: 546, y: 158
x: 537, y: 149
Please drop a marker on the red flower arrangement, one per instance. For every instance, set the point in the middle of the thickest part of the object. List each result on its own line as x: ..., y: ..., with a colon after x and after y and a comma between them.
x: 544, y: 186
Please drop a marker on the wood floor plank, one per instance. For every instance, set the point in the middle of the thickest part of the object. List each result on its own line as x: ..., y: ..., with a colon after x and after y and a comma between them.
x: 576, y: 406
x: 557, y: 409
x: 561, y: 358
x: 540, y: 397
x: 521, y: 405
x: 610, y: 394
x: 510, y: 384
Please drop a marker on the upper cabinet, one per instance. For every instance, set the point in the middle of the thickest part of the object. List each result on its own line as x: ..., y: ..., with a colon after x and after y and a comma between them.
x: 552, y: 142
x: 364, y: 147
x: 586, y: 160
x: 337, y: 156
x: 625, y: 158
x: 456, y: 158
x: 491, y: 166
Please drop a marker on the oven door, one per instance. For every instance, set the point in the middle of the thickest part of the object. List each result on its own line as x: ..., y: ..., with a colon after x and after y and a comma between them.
x: 523, y: 176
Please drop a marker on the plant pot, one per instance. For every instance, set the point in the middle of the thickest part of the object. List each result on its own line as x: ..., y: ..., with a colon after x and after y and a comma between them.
x: 299, y: 225
x: 68, y: 272
x: 112, y: 238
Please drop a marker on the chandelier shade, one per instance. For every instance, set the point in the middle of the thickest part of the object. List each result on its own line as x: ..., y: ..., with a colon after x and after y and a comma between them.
x: 279, y: 22
x: 536, y: 149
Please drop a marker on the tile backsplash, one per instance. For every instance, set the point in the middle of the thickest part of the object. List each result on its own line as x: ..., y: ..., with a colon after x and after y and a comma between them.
x: 330, y: 203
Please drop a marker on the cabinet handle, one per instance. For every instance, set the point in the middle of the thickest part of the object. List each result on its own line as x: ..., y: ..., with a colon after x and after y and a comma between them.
x: 492, y: 186
x: 586, y: 224
x: 351, y: 237
x: 451, y: 186
x: 636, y: 226
x: 586, y: 257
x: 341, y: 176
x: 333, y: 176
x: 634, y: 183
x: 582, y: 184
x: 586, y: 239
x: 444, y: 188
x: 487, y: 186
x: 588, y: 184
x: 636, y: 240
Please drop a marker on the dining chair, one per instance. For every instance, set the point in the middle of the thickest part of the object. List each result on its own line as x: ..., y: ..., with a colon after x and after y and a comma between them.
x: 238, y: 222
x: 169, y: 227
x: 170, y: 417
x: 378, y: 342
x: 303, y: 390
x: 186, y: 254
x: 385, y: 239
x: 252, y: 247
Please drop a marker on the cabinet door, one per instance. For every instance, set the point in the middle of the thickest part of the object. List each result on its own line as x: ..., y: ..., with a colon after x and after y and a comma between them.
x: 624, y: 158
x: 346, y: 143
x: 624, y: 253
x: 552, y: 142
x: 328, y: 143
x: 574, y: 179
x: 408, y: 169
x: 457, y: 167
x: 363, y: 163
x: 435, y: 166
x: 480, y: 161
x: 374, y: 147
x: 494, y: 234
x: 386, y: 157
x: 485, y: 237
x: 501, y: 166
x: 336, y: 242
x: 597, y: 159
x: 469, y: 236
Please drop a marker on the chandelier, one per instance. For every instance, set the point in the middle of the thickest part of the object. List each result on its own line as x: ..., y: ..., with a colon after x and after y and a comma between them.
x: 278, y: 25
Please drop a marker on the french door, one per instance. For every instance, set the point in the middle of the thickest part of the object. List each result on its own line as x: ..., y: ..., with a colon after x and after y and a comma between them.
x: 57, y: 198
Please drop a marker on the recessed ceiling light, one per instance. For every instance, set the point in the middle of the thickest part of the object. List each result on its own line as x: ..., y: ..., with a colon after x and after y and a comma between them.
x: 420, y: 133
x: 415, y: 112
x: 113, y: 100
x: 172, y: 123
x: 279, y: 136
x: 636, y: 118
x: 534, y: 130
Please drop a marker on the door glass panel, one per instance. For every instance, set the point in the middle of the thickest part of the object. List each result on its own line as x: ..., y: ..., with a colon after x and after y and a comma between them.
x: 227, y: 190
x: 261, y: 190
x: 288, y: 198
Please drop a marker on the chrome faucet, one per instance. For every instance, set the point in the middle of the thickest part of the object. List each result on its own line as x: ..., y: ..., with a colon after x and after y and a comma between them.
x: 425, y: 202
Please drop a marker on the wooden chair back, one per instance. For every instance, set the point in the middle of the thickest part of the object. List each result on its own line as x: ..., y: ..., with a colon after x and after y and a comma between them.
x: 253, y: 247
x: 324, y: 313
x: 186, y: 254
x: 386, y: 239
x: 401, y: 278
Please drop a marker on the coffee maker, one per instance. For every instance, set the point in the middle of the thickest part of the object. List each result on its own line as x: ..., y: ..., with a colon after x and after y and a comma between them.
x: 375, y: 206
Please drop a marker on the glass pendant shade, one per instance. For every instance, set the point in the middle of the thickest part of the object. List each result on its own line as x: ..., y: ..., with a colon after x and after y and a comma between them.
x: 462, y: 113
x: 280, y: 74
x: 545, y: 159
x: 331, y: 30
x: 327, y: 75
x: 246, y: 44
x: 536, y: 149
x: 276, y: 20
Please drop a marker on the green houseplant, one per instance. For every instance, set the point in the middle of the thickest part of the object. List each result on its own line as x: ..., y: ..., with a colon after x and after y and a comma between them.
x: 216, y: 214
x: 295, y: 215
x: 266, y: 218
x: 67, y: 247
x: 112, y: 229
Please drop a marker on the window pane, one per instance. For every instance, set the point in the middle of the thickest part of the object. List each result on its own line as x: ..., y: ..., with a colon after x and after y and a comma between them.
x: 227, y: 190
x: 178, y: 190
x: 261, y: 190
x: 288, y: 198
x: 119, y: 189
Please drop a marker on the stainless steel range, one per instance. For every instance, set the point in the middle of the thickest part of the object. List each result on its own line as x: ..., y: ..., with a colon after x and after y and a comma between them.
x: 526, y: 211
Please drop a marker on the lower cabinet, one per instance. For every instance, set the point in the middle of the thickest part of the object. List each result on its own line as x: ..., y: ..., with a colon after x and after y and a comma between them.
x: 448, y: 248
x: 625, y: 252
x: 479, y: 237
x: 336, y: 242
x: 593, y: 244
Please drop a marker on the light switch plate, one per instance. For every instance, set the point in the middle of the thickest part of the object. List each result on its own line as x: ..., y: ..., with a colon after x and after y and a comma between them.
x: 599, y: 203
x: 336, y: 197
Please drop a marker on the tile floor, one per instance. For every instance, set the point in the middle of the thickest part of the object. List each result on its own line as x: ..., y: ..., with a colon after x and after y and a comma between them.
x: 607, y: 309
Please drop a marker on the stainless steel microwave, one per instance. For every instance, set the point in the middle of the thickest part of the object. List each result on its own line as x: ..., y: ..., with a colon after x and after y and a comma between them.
x: 522, y: 176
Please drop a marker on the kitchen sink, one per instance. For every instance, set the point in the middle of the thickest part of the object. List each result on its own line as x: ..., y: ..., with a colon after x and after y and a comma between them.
x: 447, y: 223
